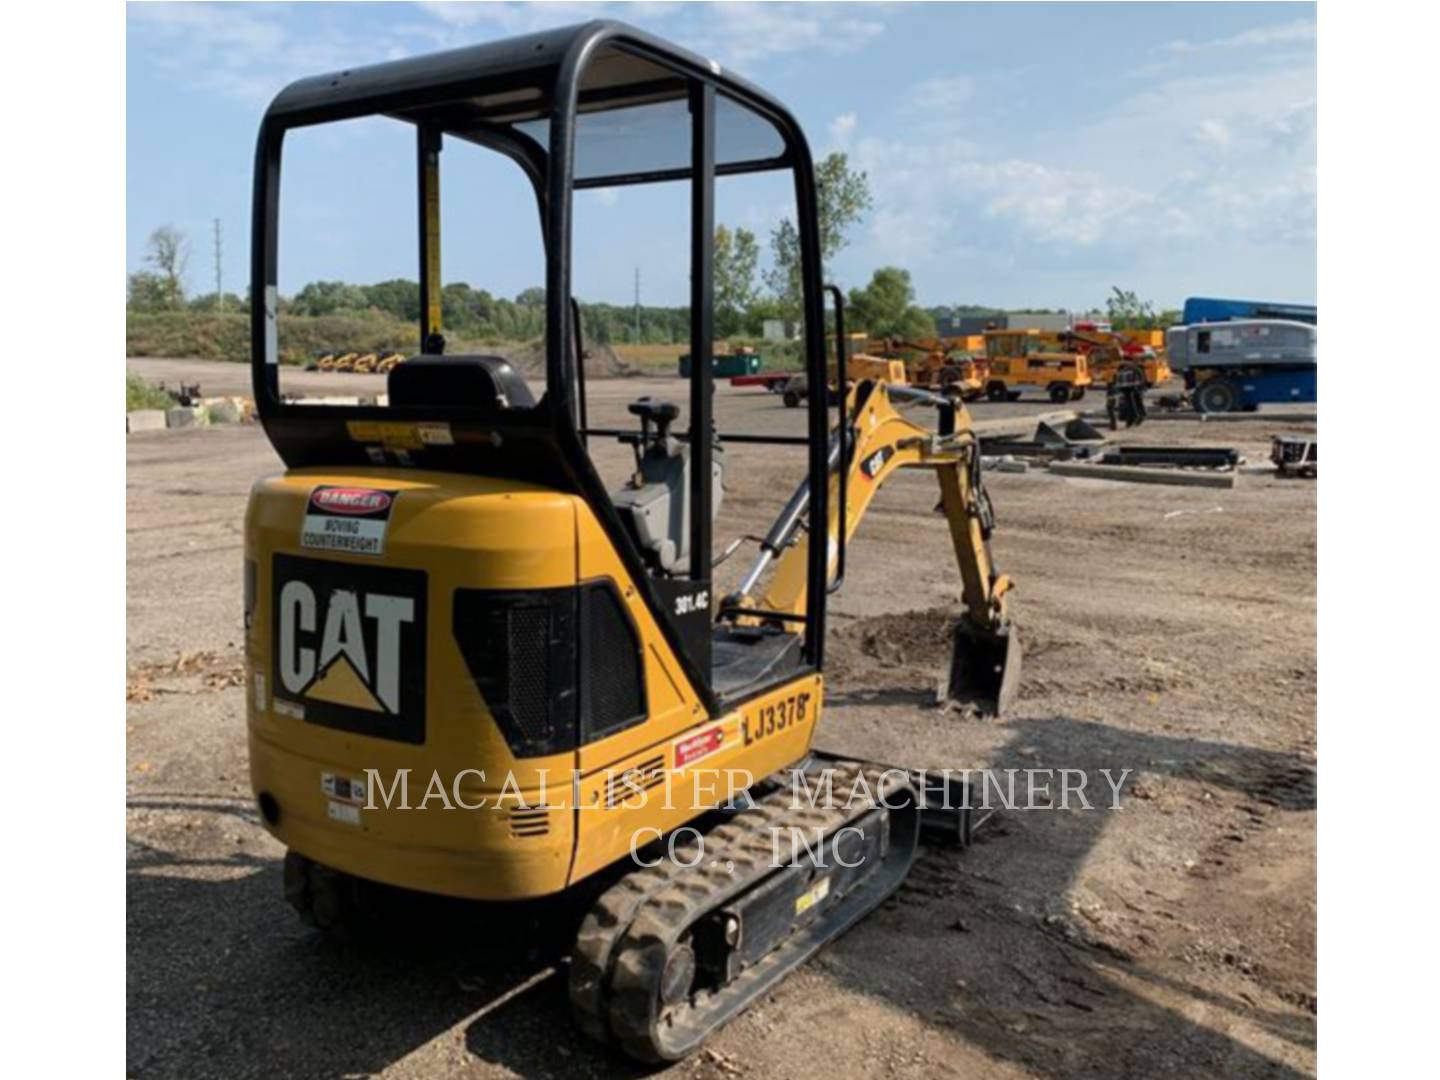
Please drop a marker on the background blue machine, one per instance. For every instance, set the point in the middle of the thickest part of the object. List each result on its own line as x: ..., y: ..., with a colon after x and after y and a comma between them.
x: 1238, y: 364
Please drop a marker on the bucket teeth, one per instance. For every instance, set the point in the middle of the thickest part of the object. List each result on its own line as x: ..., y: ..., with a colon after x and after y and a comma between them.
x: 984, y: 669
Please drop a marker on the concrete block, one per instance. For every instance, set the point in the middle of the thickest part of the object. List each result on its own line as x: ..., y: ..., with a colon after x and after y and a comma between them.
x: 1238, y: 417
x: 183, y: 416
x: 145, y: 420
x: 1007, y: 464
x: 1138, y: 475
x: 330, y: 400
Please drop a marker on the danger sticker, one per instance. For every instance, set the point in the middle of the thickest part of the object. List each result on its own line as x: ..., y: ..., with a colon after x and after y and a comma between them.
x: 348, y: 519
x: 694, y: 747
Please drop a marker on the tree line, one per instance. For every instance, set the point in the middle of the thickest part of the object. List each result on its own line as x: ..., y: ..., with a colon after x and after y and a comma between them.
x: 745, y: 298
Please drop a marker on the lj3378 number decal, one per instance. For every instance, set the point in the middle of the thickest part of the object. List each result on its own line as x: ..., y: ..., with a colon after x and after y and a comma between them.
x: 780, y: 716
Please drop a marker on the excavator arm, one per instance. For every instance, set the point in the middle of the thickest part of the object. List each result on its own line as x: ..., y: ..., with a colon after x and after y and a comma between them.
x: 985, y: 653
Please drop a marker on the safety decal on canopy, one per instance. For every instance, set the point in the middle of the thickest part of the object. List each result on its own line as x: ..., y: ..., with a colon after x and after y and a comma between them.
x: 349, y: 519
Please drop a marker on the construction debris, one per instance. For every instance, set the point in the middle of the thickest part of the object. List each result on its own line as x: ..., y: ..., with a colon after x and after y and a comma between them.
x: 1058, y: 437
x: 1293, y: 455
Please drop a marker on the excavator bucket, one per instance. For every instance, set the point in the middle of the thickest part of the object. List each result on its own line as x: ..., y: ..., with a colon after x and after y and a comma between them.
x: 984, y: 669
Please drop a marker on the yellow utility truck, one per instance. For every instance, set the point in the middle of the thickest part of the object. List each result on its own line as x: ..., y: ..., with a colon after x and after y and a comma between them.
x: 1019, y: 360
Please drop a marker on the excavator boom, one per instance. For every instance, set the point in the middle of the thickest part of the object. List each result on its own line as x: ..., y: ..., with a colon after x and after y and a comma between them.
x: 879, y: 441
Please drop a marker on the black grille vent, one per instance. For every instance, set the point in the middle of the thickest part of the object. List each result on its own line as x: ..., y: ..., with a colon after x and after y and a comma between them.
x: 612, y: 665
x: 627, y: 785
x: 520, y: 649
x: 528, y: 649
x: 557, y: 667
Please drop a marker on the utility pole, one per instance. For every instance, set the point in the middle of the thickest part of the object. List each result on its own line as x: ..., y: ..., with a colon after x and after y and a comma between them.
x: 637, y: 305
x: 219, y: 293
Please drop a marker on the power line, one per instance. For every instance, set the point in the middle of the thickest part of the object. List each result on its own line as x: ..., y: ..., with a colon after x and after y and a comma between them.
x: 219, y: 291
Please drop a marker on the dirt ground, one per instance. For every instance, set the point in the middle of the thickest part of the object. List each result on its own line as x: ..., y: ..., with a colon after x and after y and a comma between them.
x: 1169, y: 631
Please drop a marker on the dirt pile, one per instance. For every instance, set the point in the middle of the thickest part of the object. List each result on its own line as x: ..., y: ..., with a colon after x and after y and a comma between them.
x: 911, y: 640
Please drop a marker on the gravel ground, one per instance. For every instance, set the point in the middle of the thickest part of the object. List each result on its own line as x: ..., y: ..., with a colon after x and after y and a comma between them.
x: 1169, y: 631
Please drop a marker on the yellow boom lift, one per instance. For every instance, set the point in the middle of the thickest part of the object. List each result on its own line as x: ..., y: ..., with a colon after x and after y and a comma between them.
x: 1109, y: 351
x: 441, y: 593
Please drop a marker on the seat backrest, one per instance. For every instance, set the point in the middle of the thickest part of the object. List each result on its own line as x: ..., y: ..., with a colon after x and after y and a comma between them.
x: 484, y: 382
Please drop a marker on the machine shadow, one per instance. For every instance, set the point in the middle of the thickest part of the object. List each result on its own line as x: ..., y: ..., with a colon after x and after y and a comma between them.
x: 1034, y: 985
x: 222, y: 976
x: 220, y: 970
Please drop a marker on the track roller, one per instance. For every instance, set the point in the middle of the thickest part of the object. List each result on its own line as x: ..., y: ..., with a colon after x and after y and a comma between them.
x: 671, y: 953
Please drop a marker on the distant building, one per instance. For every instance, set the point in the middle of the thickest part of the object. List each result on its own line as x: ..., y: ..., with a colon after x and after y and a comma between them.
x: 952, y: 326
x: 1037, y: 320
x: 777, y: 330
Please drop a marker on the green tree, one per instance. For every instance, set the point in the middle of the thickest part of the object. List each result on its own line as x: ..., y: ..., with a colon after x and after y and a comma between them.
x: 736, y: 257
x: 533, y: 297
x: 396, y: 297
x: 230, y: 303
x: 844, y: 197
x: 886, y: 306
x: 328, y: 297
x: 168, y: 253
x: 1126, y: 311
x: 161, y: 288
x: 148, y: 291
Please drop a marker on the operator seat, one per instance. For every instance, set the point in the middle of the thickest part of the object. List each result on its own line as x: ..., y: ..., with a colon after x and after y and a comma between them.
x: 488, y: 383
x: 655, y: 504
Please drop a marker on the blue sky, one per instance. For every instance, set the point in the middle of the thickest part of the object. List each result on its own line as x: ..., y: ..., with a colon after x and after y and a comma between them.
x: 1019, y: 154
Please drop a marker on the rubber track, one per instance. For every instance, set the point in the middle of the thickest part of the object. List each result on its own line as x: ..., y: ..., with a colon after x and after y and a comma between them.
x: 625, y: 939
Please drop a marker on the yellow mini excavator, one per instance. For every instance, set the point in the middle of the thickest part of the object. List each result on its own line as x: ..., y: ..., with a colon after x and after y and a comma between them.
x: 443, y: 597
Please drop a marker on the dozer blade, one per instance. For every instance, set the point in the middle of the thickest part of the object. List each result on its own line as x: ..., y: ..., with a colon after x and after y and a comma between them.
x: 984, y: 669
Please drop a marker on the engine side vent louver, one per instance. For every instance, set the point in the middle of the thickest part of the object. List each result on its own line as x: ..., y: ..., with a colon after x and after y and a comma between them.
x: 630, y: 784
x: 529, y: 822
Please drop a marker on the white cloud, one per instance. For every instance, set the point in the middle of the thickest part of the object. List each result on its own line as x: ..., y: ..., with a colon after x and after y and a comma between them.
x: 923, y: 192
x: 521, y: 18
x: 942, y: 95
x: 842, y: 129
x: 736, y: 33
x: 1212, y: 133
x: 246, y: 52
x: 249, y: 52
x: 1293, y: 127
x: 1292, y: 33
x: 742, y: 33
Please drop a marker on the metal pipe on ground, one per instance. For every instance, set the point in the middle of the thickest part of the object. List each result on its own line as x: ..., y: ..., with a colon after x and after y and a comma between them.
x: 1135, y: 474
x: 1204, y: 457
x: 1227, y: 418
